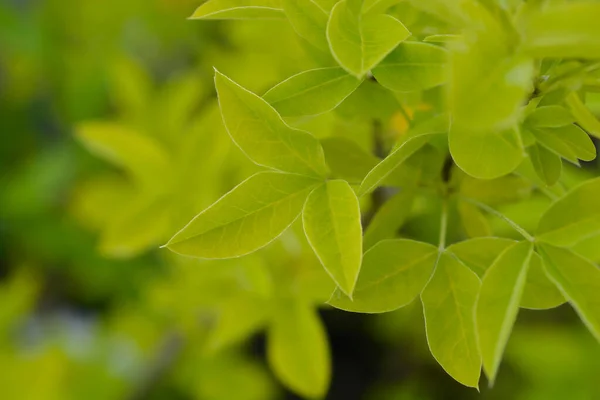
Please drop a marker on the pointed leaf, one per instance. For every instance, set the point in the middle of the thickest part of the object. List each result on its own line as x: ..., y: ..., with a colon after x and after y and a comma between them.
x: 312, y: 92
x: 546, y: 164
x: 412, y: 66
x: 309, y: 20
x: 416, y: 140
x: 449, y: 309
x: 393, y: 274
x: 572, y: 218
x: 263, y: 136
x: 585, y: 118
x: 359, y: 42
x: 550, y: 117
x: 331, y: 219
x: 239, y: 9
x: 540, y: 293
x: 570, y: 142
x: 498, y: 303
x: 247, y: 218
x: 298, y: 351
x: 578, y: 280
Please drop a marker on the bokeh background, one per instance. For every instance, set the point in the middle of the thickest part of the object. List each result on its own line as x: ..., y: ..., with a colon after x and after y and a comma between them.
x: 91, y: 308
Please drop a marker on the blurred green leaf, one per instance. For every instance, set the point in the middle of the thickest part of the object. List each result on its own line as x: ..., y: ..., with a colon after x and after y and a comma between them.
x: 239, y: 9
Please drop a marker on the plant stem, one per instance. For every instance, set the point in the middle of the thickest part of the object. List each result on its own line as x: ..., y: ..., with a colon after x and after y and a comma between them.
x: 498, y: 214
x: 443, y: 225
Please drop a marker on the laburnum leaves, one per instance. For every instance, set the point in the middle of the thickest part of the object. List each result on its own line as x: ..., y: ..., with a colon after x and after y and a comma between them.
x: 493, y: 90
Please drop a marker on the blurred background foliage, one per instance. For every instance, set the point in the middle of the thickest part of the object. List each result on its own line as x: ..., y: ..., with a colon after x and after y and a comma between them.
x: 91, y: 308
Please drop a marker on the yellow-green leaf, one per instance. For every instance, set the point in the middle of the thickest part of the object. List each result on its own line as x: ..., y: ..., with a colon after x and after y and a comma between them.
x: 262, y: 134
x: 498, y: 303
x: 309, y: 20
x: 298, y: 351
x: 567, y: 30
x: 412, y: 66
x: 547, y: 165
x: 347, y: 160
x: 572, y: 218
x: 359, y: 42
x: 570, y: 142
x: 586, y: 119
x: 239, y: 9
x: 578, y: 280
x: 393, y: 274
x: 331, y: 219
x: 449, y: 308
x: 247, y: 218
x: 312, y: 92
x: 389, y: 218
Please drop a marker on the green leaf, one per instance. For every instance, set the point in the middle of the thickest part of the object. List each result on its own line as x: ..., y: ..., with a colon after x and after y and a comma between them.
x: 507, y: 189
x: 486, y: 156
x: 449, y: 308
x: 417, y: 138
x: 412, y: 66
x: 393, y: 274
x: 572, y: 218
x: 540, y: 293
x: 570, y: 142
x: 246, y: 219
x: 263, y: 136
x: 312, y: 92
x: 578, y: 280
x: 378, y: 6
x: 473, y: 220
x: 347, y: 160
x: 487, y: 85
x: 498, y: 303
x: 298, y: 351
x: 358, y: 42
x: 442, y: 38
x: 585, y: 118
x: 389, y: 218
x: 480, y: 253
x: 331, y: 219
x: 309, y: 20
x: 568, y: 30
x: 237, y: 319
x: 550, y: 117
x: 239, y: 9
x: 546, y: 164
x: 141, y: 156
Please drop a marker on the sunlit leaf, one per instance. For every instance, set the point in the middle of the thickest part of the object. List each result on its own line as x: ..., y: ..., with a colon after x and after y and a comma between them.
x: 360, y: 42
x: 331, y: 219
x: 312, y: 92
x: 262, y: 135
x: 449, y: 308
x: 572, y: 218
x: 247, y: 218
x: 585, y: 118
x: 412, y: 66
x: 298, y: 351
x: 498, y: 303
x: 570, y: 142
x: 547, y: 165
x: 550, y: 117
x: 239, y: 9
x: 393, y: 274
x: 486, y: 155
x: 309, y: 20
x: 578, y: 280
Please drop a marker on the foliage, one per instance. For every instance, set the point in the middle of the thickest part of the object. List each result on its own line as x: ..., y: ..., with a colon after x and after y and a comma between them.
x: 430, y: 162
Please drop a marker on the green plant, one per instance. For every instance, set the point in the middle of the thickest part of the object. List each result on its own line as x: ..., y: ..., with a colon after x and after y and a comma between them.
x: 402, y: 157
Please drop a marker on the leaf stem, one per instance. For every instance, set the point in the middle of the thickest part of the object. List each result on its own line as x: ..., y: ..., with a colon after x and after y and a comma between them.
x: 443, y: 225
x: 498, y: 214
